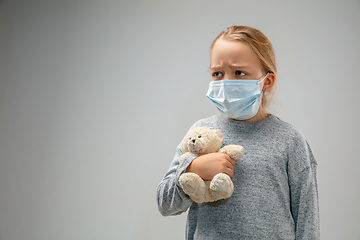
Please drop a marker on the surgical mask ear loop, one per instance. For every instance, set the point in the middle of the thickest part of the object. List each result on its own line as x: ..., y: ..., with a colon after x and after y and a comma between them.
x: 263, y: 80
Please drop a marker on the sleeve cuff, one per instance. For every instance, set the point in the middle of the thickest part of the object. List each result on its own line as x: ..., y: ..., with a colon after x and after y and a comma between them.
x: 182, y: 168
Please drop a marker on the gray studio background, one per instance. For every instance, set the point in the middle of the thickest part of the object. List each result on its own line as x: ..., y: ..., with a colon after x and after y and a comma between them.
x: 96, y: 95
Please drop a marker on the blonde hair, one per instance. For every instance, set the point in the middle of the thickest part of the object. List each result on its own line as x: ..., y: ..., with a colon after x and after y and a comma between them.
x: 262, y: 48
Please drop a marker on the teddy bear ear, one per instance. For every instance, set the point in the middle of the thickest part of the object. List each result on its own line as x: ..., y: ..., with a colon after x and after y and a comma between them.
x: 220, y: 135
x: 185, y: 145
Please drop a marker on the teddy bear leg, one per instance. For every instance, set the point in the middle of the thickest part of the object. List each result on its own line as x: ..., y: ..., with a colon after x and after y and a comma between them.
x: 221, y: 186
x: 193, y: 185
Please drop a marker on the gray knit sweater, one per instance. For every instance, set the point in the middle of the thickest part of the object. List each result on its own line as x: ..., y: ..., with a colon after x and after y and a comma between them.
x: 275, y: 194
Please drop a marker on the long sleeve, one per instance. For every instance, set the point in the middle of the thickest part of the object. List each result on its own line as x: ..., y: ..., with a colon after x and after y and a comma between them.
x: 304, y: 192
x: 170, y: 197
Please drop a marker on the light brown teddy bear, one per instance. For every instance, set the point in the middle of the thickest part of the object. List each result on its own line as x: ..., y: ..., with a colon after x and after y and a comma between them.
x: 199, y: 141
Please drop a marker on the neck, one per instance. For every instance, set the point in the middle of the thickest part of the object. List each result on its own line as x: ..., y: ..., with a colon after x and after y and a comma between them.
x: 260, y: 115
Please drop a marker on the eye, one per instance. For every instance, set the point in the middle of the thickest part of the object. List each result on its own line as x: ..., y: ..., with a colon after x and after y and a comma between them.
x: 217, y: 74
x: 199, y: 136
x: 239, y: 73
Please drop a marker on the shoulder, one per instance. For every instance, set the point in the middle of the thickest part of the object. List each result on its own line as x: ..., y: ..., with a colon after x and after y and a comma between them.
x: 210, y: 122
x: 297, y: 145
x: 284, y: 129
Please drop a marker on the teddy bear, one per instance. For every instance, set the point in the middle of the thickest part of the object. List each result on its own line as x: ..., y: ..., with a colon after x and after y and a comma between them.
x: 199, y: 141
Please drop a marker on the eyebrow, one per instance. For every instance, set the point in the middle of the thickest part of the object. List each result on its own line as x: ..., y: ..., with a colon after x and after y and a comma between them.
x: 238, y: 66
x: 217, y: 66
x: 232, y: 66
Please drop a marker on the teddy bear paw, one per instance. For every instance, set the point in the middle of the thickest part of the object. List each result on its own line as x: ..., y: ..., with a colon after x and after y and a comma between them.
x: 234, y: 151
x: 221, y: 186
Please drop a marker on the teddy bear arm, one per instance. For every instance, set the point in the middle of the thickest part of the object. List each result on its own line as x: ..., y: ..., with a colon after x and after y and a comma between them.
x: 234, y: 151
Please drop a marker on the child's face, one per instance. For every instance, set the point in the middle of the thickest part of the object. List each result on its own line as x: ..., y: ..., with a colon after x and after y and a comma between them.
x: 231, y: 60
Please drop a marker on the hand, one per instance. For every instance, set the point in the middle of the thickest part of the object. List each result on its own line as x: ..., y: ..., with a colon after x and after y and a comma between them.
x: 208, y: 165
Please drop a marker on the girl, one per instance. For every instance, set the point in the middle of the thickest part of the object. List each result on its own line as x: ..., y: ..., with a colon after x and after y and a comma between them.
x: 275, y: 187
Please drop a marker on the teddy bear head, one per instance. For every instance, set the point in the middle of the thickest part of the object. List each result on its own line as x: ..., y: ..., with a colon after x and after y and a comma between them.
x: 202, y: 140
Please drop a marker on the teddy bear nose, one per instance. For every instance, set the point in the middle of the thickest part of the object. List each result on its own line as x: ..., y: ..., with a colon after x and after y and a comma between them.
x: 193, y: 140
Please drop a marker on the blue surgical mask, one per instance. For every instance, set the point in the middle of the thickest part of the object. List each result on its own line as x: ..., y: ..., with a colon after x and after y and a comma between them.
x: 237, y: 99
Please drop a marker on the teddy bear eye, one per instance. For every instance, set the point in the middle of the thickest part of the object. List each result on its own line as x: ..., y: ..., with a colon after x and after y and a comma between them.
x: 199, y: 136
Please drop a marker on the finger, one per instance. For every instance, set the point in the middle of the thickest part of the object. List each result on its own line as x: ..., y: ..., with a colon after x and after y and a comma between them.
x: 229, y: 172
x: 232, y: 161
x: 227, y: 157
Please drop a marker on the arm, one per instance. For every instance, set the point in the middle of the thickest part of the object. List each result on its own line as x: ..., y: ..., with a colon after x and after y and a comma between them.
x: 304, y: 194
x: 171, y: 198
x: 209, y: 165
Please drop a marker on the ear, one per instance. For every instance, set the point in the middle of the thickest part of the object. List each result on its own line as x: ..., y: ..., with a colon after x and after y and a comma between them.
x: 269, y: 81
x: 185, y: 145
x: 219, y: 134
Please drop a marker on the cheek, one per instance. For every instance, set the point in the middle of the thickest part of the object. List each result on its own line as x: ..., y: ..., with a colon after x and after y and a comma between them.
x: 208, y: 146
x: 200, y: 144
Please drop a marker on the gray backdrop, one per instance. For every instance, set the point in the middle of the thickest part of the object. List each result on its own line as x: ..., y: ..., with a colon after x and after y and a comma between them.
x: 96, y: 95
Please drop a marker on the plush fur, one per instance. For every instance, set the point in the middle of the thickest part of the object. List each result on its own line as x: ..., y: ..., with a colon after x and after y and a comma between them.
x: 199, y: 141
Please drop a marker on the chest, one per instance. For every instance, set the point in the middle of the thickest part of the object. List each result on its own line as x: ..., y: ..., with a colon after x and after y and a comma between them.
x: 264, y: 161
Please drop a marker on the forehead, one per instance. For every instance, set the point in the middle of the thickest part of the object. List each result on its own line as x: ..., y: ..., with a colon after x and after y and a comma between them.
x: 232, y: 52
x: 199, y: 131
